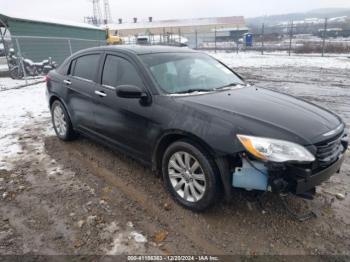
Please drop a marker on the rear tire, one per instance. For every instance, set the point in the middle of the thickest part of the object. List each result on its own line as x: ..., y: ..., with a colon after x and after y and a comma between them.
x: 190, y: 175
x: 61, y: 122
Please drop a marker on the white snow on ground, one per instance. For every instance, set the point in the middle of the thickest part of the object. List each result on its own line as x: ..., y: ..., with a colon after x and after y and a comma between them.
x: 9, y: 83
x: 255, y: 59
x: 127, y: 243
x: 17, y: 108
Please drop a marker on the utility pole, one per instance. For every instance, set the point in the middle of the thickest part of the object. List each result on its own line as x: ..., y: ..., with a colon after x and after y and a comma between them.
x: 107, y: 12
x: 97, y: 11
x: 324, y: 36
x: 291, y: 37
x: 196, y: 35
x: 262, y: 38
x: 215, y: 38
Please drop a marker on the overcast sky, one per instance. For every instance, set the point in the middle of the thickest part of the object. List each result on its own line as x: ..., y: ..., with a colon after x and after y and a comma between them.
x: 163, y: 9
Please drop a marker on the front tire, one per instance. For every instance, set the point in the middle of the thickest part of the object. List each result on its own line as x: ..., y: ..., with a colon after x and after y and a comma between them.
x: 16, y: 73
x: 190, y: 175
x: 61, y: 122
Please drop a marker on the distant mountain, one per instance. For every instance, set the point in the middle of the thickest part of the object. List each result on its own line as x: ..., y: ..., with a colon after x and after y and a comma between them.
x: 336, y: 11
x: 284, y: 18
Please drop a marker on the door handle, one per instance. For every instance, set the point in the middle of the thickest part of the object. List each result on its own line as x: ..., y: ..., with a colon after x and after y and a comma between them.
x: 67, y: 82
x: 100, y: 93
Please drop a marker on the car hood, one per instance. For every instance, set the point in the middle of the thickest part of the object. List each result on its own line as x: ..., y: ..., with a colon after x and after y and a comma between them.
x: 302, y: 121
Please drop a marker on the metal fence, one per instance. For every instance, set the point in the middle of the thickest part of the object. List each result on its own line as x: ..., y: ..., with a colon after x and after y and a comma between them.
x: 38, y: 49
x: 320, y: 37
x: 301, y: 37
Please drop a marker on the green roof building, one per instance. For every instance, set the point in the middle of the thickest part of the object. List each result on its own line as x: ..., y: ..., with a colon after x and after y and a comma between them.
x: 40, y: 39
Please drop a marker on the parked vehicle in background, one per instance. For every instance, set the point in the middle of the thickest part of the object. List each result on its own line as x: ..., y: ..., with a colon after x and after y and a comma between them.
x: 113, y: 39
x: 169, y: 39
x: 196, y: 122
x: 31, y: 68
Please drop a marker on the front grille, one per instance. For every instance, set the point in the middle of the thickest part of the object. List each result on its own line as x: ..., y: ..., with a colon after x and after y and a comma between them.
x: 329, y: 151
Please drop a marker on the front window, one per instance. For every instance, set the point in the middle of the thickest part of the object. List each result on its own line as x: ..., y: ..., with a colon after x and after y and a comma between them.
x: 188, y: 72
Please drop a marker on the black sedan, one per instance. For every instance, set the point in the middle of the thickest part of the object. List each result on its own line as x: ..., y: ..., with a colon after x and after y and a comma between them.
x: 195, y: 121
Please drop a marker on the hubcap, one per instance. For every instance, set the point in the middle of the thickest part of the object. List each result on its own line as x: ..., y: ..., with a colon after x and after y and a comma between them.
x: 186, y: 176
x: 59, y: 121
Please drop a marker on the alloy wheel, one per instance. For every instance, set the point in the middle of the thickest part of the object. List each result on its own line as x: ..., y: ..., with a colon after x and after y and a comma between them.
x: 59, y: 120
x: 186, y: 176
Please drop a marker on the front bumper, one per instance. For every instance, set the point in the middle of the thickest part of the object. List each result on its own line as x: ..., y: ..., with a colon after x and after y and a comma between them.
x: 307, y: 183
x: 249, y: 173
x: 281, y: 177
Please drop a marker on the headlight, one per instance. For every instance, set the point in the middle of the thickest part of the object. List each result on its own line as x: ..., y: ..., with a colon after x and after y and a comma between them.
x: 275, y: 150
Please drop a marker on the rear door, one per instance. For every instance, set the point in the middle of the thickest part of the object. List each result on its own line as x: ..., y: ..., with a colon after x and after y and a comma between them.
x: 81, y: 83
x: 124, y: 122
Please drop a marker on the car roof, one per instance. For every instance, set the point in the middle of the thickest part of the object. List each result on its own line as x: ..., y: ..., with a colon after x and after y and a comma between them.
x: 142, y: 50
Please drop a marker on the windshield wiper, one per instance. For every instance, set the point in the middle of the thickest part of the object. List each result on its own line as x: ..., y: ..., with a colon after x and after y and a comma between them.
x: 194, y: 90
x: 229, y: 85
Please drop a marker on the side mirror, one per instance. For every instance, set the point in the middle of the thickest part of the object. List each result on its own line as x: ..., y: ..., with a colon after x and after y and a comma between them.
x: 130, y: 91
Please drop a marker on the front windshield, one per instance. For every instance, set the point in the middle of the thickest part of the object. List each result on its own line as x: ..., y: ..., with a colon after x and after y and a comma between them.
x: 188, y: 72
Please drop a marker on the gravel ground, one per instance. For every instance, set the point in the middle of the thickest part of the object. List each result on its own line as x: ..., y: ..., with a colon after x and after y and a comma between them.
x: 82, y: 198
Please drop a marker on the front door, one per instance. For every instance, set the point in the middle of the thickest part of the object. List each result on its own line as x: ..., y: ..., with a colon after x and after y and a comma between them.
x: 125, y: 122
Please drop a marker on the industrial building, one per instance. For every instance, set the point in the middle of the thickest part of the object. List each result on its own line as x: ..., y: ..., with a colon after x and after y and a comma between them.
x: 196, y: 33
x: 199, y: 25
x: 39, y: 39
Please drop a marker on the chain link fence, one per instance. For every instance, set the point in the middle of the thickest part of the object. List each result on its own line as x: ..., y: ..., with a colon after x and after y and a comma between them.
x: 315, y: 36
x: 24, y: 50
x: 321, y: 38
x: 40, y: 48
x: 318, y: 37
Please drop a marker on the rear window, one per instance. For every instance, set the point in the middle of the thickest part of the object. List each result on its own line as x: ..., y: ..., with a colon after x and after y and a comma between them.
x: 87, y: 66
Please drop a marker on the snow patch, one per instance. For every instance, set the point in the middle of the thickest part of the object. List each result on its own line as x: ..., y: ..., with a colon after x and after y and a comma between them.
x: 139, y: 238
x: 18, y: 107
x: 7, y: 83
x: 255, y: 59
x: 125, y: 242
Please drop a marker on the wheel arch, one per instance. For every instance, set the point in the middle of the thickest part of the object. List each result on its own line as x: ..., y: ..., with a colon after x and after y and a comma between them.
x: 170, y: 137
x: 221, y: 162
x: 53, y: 98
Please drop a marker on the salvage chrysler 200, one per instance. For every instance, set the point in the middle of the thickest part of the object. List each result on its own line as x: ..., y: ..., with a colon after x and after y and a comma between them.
x: 196, y: 122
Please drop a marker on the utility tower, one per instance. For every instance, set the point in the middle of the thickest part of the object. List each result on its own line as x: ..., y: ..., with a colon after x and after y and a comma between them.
x: 97, y: 12
x: 107, y: 12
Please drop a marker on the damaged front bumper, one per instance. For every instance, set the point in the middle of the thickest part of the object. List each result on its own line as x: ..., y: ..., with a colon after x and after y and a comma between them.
x: 256, y: 175
x: 293, y: 177
x: 304, y: 184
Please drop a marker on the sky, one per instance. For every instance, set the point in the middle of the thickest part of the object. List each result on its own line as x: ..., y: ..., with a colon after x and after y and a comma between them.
x: 75, y: 10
